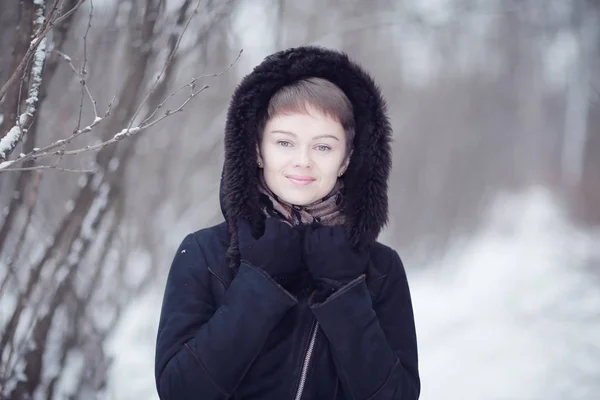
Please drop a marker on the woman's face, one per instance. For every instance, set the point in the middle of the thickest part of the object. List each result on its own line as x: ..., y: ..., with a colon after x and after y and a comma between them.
x: 302, y: 155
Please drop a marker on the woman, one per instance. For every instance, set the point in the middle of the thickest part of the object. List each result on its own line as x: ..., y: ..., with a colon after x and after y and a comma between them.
x: 292, y: 297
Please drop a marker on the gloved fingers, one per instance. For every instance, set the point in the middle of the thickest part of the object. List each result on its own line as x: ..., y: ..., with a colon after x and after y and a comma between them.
x: 244, y: 230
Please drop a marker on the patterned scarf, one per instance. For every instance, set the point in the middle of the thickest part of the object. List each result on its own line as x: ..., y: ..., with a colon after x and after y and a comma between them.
x: 326, y: 211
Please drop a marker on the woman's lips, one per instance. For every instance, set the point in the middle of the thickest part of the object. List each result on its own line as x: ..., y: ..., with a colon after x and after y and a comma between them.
x: 300, y: 180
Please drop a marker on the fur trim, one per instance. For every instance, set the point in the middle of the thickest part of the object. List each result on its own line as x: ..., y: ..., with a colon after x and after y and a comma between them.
x: 366, y: 179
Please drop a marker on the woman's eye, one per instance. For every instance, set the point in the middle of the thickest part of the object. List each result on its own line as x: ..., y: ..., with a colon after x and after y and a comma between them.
x: 284, y: 143
x: 322, y: 147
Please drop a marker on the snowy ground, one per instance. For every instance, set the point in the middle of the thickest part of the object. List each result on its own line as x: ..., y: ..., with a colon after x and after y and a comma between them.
x: 512, y: 314
x: 515, y: 312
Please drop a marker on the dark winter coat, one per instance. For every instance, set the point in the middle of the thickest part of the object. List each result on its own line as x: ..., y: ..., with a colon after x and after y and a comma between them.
x: 229, y: 331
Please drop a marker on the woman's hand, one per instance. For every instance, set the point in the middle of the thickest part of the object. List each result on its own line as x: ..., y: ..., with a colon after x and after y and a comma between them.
x: 329, y: 257
x: 278, y: 251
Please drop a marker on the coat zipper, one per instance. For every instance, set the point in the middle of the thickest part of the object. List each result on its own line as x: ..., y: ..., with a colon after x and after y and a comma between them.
x: 307, y: 358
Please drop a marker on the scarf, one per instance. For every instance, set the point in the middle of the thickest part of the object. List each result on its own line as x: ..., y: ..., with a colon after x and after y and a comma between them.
x: 326, y: 211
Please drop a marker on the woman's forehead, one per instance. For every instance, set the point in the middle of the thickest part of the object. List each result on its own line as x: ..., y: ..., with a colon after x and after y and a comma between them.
x: 301, y: 124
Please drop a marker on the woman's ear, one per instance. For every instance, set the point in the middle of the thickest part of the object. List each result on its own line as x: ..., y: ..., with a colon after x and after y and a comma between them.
x: 345, y: 164
x: 259, y: 159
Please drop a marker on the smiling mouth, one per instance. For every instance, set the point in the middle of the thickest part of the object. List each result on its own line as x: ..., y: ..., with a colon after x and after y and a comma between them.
x: 300, y: 180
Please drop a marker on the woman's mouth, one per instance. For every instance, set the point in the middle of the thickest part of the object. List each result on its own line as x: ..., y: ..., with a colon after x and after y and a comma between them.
x: 300, y: 180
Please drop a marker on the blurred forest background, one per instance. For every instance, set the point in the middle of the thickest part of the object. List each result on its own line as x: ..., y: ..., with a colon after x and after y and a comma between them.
x: 495, y: 190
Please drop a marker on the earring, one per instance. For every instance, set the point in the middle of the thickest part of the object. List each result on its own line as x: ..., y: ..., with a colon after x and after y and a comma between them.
x: 259, y: 164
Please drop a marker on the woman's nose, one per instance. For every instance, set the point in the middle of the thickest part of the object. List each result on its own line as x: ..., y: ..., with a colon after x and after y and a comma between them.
x: 302, y: 159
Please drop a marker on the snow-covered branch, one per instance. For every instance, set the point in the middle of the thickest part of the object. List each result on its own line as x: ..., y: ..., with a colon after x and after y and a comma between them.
x: 24, y: 121
x: 40, y: 34
x: 56, y: 149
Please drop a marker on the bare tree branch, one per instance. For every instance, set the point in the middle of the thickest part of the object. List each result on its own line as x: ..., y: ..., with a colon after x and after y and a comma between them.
x: 24, y: 121
x: 10, y: 102
x: 48, y: 151
x: 183, y: 11
x: 53, y: 167
x: 82, y: 74
x: 44, y: 29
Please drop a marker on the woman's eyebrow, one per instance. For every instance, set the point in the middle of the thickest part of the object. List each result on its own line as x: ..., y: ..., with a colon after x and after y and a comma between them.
x: 314, y: 138
x: 284, y: 132
x: 326, y: 136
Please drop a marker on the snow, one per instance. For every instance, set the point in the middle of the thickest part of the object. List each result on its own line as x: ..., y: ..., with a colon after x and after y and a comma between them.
x: 10, y: 140
x: 509, y: 314
x: 69, y: 380
x: 113, y: 164
x: 131, y: 376
x: 126, y: 132
x: 510, y: 309
x: 69, y: 205
x: 82, y: 181
x: 6, y: 164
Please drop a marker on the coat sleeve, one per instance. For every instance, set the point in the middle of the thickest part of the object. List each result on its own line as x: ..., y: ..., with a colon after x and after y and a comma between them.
x: 203, y: 351
x: 374, y: 346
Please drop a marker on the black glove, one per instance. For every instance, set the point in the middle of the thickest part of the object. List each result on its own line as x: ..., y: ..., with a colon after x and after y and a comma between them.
x: 278, y: 251
x: 330, y: 258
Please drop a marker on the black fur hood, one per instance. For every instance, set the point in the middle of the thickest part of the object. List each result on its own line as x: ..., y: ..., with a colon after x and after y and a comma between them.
x: 366, y: 179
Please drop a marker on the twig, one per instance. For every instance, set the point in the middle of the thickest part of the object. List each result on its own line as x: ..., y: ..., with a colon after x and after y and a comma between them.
x: 49, y: 150
x: 45, y: 28
x: 59, y: 143
x: 133, y: 131
x: 169, y: 59
x: 40, y: 167
x: 82, y: 74
x: 68, y: 13
x: 82, y: 81
x: 19, y: 100
x: 16, y: 133
x: 188, y: 85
